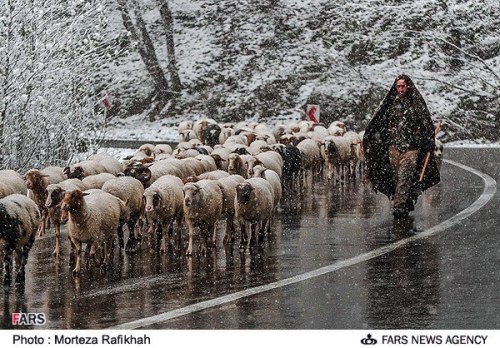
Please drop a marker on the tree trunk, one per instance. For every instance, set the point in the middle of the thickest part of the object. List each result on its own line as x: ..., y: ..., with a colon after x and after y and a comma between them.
x: 168, y: 24
x: 148, y: 54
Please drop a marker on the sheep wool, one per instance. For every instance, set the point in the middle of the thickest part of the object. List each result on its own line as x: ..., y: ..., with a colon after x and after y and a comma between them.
x: 19, y: 220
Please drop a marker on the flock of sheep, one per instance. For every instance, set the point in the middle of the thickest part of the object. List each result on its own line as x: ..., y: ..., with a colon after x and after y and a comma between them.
x: 232, y: 172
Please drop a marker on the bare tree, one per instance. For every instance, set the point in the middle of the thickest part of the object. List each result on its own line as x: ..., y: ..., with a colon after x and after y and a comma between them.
x: 51, y: 58
x: 145, y: 46
x: 168, y: 23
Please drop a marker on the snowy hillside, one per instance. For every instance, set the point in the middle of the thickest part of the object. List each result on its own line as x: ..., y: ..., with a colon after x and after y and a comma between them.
x: 266, y: 60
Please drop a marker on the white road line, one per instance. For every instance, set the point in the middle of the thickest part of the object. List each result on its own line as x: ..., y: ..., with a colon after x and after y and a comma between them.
x: 489, y: 190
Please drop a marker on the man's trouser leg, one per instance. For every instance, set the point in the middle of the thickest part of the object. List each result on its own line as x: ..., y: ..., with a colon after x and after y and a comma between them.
x: 404, y: 165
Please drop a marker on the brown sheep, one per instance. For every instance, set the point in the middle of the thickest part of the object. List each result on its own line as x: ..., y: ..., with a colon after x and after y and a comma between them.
x: 37, y: 182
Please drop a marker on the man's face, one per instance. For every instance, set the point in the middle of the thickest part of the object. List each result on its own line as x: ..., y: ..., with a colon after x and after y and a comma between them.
x: 401, y: 87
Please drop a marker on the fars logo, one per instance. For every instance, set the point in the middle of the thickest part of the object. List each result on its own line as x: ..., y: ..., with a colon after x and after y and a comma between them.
x: 28, y: 319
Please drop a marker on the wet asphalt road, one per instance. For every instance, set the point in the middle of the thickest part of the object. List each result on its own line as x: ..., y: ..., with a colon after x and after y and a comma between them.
x: 334, y: 260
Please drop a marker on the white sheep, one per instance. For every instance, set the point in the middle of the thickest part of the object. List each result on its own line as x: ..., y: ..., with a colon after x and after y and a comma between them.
x: 260, y: 171
x: 96, y: 181
x: 311, y: 158
x: 356, y: 149
x: 238, y: 164
x: 225, y: 133
x: 111, y: 165
x: 93, y: 218
x: 185, y: 153
x: 130, y: 191
x: 338, y: 154
x: 96, y: 164
x: 11, y: 182
x: 318, y: 133
x: 200, y: 126
x: 228, y: 188
x: 208, y: 162
x: 162, y: 149
x: 83, y: 169
x: 256, y: 147
x: 306, y: 126
x: 269, y: 159
x: 221, y: 157
x: 280, y: 130
x: 266, y: 136
x: 236, y: 139
x: 147, y: 148
x: 193, y: 165
x: 187, y: 135
x: 211, y: 175
x: 185, y: 125
x: 253, y: 205
x: 337, y: 128
x: 202, y: 209
x: 163, y: 204
x: 19, y: 220
x: 148, y: 174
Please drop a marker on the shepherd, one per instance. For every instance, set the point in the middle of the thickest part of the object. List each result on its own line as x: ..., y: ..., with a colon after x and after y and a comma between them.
x: 399, y: 147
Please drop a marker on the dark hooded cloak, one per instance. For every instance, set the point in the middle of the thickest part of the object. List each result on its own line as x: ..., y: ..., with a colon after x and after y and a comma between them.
x: 376, y: 143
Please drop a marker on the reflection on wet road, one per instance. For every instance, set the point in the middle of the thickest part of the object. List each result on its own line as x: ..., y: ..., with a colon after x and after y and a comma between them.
x: 317, y: 229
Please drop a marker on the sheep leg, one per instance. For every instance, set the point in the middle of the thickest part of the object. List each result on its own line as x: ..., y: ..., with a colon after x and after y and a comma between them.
x: 330, y: 173
x: 131, y: 242
x: 165, y: 236
x: 90, y: 254
x: 119, y: 232
x: 353, y: 169
x: 243, y: 237
x: 57, y: 232
x: 20, y: 263
x: 214, y: 234
x: 178, y: 220
x: 159, y: 235
x: 262, y: 230
x: 189, y: 250
x: 204, y: 233
x: 229, y: 236
x: 22, y: 260
x: 150, y: 232
x: 106, y: 260
x: 78, y: 249
x: 7, y: 262
x: 135, y: 237
x: 252, y: 238
x: 43, y: 222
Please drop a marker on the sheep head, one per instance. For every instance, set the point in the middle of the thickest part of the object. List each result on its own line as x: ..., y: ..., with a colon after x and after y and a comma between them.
x: 190, y: 192
x: 77, y: 172
x: 73, y: 200
x: 244, y: 192
x: 34, y: 178
x: 139, y: 172
x: 54, y: 196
